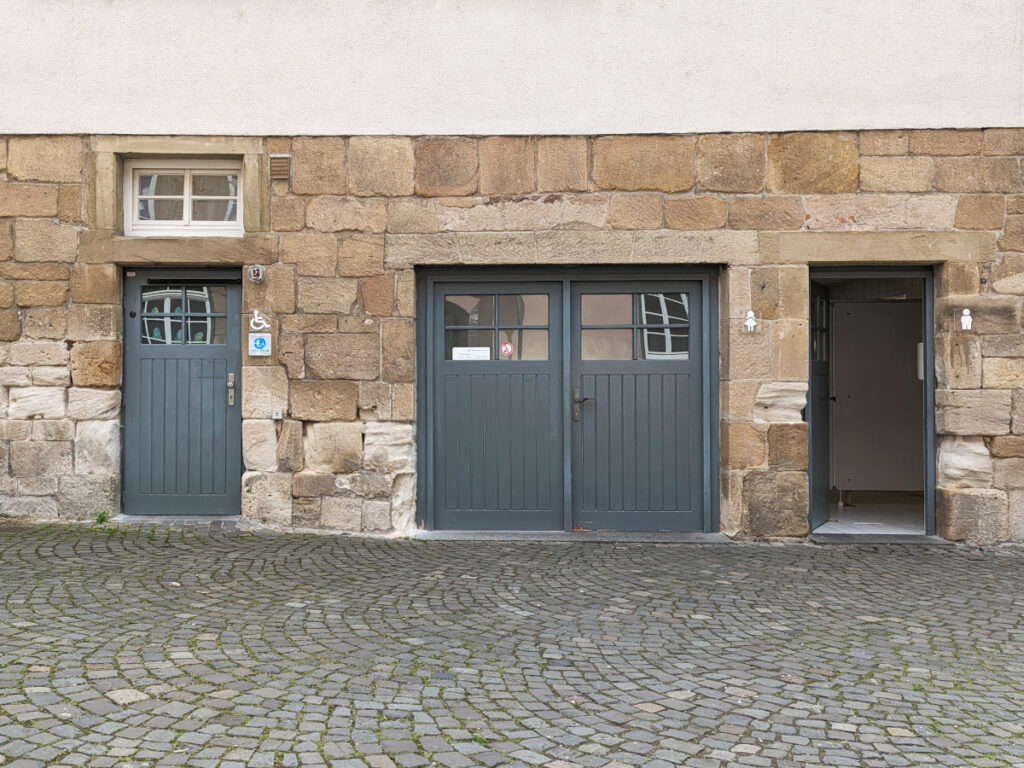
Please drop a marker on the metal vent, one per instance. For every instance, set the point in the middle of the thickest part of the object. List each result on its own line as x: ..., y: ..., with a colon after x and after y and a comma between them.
x: 280, y: 167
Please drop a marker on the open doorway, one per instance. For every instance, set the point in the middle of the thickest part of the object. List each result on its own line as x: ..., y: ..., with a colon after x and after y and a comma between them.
x: 870, y: 402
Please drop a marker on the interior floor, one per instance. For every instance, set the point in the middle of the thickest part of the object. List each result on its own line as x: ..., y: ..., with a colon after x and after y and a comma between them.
x: 876, y: 518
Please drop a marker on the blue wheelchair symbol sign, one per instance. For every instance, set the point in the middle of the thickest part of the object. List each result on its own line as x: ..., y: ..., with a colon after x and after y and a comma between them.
x: 259, y: 343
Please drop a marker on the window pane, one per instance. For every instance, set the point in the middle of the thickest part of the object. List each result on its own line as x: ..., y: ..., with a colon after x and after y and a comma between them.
x: 664, y: 308
x: 219, y: 185
x: 469, y: 345
x: 162, y: 330
x: 161, y: 210
x: 207, y: 330
x: 519, y: 344
x: 523, y: 309
x: 469, y: 310
x: 606, y: 309
x: 607, y: 344
x: 664, y: 344
x: 214, y: 210
x: 162, y: 299
x: 210, y: 299
x: 161, y: 184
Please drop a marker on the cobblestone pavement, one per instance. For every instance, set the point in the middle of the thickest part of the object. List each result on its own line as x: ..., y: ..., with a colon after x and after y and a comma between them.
x: 178, y: 647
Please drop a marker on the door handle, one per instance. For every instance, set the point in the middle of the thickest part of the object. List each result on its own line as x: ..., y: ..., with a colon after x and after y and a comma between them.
x: 231, y: 388
x: 577, y: 401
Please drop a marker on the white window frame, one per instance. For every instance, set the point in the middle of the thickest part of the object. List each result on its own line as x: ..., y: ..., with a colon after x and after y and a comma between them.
x: 133, y: 227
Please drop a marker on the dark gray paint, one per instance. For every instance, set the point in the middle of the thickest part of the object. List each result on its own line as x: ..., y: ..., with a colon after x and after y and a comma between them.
x: 182, y: 441
x: 818, y: 406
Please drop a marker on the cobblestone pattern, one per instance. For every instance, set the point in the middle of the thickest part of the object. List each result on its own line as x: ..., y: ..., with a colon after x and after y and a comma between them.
x: 178, y: 647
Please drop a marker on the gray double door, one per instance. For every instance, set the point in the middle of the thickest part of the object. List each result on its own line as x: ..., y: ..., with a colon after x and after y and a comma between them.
x: 182, y: 410
x: 572, y: 404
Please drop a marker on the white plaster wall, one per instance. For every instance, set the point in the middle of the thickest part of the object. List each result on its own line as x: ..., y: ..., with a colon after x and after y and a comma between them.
x: 507, y: 66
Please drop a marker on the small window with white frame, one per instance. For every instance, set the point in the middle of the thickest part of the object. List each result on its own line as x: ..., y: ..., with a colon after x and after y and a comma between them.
x: 183, y: 198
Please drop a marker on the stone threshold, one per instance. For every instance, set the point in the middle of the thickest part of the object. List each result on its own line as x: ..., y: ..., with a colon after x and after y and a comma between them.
x: 217, y: 522
x: 615, y: 537
x: 911, y: 539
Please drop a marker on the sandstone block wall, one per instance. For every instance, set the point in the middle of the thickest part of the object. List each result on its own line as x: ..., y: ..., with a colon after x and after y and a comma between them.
x: 341, y: 239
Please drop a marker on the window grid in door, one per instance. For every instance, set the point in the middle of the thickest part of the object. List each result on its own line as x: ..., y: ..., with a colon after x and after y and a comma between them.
x: 183, y: 314
x: 496, y: 326
x: 634, y: 326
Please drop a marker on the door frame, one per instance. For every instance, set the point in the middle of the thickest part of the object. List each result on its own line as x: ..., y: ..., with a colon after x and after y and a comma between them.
x: 428, y: 278
x: 222, y: 275
x: 927, y: 275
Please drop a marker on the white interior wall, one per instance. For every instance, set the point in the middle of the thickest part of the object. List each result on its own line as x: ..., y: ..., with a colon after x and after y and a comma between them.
x: 507, y: 66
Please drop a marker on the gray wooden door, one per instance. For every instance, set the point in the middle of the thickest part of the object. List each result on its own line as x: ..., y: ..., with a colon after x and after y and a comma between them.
x: 637, y: 406
x: 182, y: 405
x: 819, y: 406
x: 497, y: 406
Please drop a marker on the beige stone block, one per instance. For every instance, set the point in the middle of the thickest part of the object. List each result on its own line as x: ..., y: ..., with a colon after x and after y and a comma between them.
x: 93, y: 322
x: 780, y: 401
x: 6, y: 241
x: 774, y: 213
x: 312, y: 254
x: 28, y: 199
x: 358, y: 324
x: 93, y: 404
x: 267, y: 497
x: 365, y: 484
x: 51, y: 376
x: 972, y: 412
x: 380, y: 165
x: 39, y: 458
x: 411, y: 215
x: 731, y: 163
x: 736, y: 292
x: 319, y: 166
x: 1007, y: 274
x: 958, y: 361
x: 10, y: 326
x: 764, y: 298
x: 48, y: 430
x: 276, y: 294
x: 96, y: 364
x: 33, y: 486
x: 446, y: 166
x: 31, y: 508
x: 866, y: 212
x: 897, y: 174
x: 45, y: 322
x: 884, y: 142
x: 704, y: 212
x: 40, y: 293
x: 812, y: 162
x: 403, y: 505
x: 405, y: 293
x: 562, y: 164
x: 97, y: 448
x: 557, y: 212
x: 327, y: 295
x: 376, y: 515
x: 277, y: 145
x: 259, y: 445
x: 287, y: 214
x: 794, y: 292
x: 1015, y: 204
x: 964, y: 462
x: 737, y: 399
x: 957, y: 279
x: 468, y: 214
x: 309, y: 323
x: 1017, y: 413
x: 312, y: 484
x: 17, y: 270
x: 45, y: 158
x: 1004, y: 141
x: 977, y: 174
x: 374, y: 401
x: 1016, y: 515
x: 289, y: 446
x: 406, y: 251
x: 95, y: 284
x: 777, y: 503
x: 1012, y: 238
x: 1007, y: 446
x: 635, y: 211
x: 788, y: 446
x: 306, y: 512
x: 36, y: 402
x: 398, y: 347
x: 631, y: 163
x: 991, y: 313
x: 101, y: 247
x: 403, y: 402
x: 343, y: 356
x: 1002, y: 373
x: 333, y: 446
x: 342, y: 513
x: 69, y: 203
x: 377, y: 295
x: 1008, y: 345
x: 44, y: 241
x: 977, y: 515
x: 980, y: 212
x: 314, y: 400
x: 346, y: 214
x: 11, y: 429
x: 507, y: 165
x: 790, y: 350
x: 945, y: 142
x: 360, y: 255
x: 291, y: 351
x: 263, y: 391
x: 12, y: 376
x: 749, y: 353
x: 3, y: 154
x: 388, y: 447
x: 38, y: 353
x: 743, y: 446
x: 498, y: 247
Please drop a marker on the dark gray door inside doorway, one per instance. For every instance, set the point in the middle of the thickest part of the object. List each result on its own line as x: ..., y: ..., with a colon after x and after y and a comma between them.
x: 182, y: 405
x: 565, y: 404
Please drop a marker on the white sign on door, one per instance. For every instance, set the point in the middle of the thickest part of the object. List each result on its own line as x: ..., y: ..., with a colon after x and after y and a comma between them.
x: 471, y: 353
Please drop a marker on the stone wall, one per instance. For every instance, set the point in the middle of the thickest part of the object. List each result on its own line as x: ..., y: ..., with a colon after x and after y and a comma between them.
x: 341, y: 239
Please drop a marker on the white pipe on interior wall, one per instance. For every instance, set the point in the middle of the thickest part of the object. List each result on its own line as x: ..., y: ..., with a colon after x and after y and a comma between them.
x: 507, y: 66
